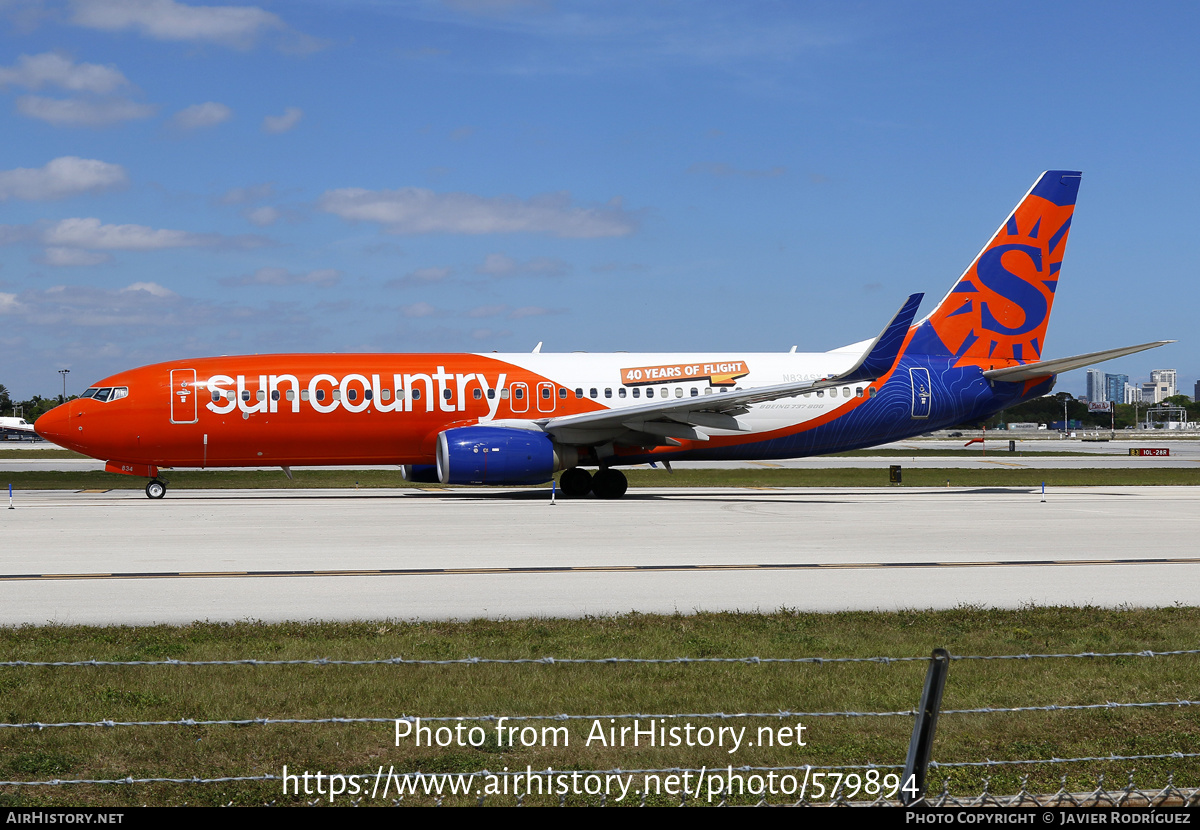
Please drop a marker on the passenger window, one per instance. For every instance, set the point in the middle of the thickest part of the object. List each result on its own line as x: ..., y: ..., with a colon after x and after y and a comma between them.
x: 477, y: 394
x: 245, y: 394
x: 608, y: 392
x: 503, y: 394
x: 637, y: 392
x: 545, y: 393
x: 679, y: 391
x: 215, y: 395
x: 621, y: 392
x: 845, y: 391
x: 649, y: 391
x: 337, y: 394
x: 578, y: 393
x: 352, y: 394
x: 384, y: 394
x: 820, y: 393
x: 416, y: 394
x: 871, y: 391
x: 695, y: 392
x: 303, y: 394
x: 520, y: 393
x: 274, y: 394
x: 369, y: 394
x: 708, y: 390
x: 447, y: 394
x: 261, y: 394
x: 320, y: 394
x: 291, y: 394
x: 858, y: 391
x: 491, y: 394
x: 399, y: 394
x: 592, y: 392
x: 562, y: 393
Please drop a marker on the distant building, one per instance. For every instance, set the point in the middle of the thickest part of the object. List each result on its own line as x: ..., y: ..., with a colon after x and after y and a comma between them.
x: 1196, y: 396
x: 1165, y: 380
x: 1115, y: 387
x: 1133, y: 393
x: 1097, y: 385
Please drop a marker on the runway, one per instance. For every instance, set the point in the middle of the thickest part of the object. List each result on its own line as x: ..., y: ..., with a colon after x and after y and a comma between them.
x: 120, y: 558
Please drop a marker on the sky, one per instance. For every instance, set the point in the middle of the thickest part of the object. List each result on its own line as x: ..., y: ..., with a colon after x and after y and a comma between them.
x: 181, y: 180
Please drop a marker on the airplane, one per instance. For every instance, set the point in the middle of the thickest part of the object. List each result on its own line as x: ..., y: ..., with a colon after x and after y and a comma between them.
x: 517, y: 419
x: 18, y: 425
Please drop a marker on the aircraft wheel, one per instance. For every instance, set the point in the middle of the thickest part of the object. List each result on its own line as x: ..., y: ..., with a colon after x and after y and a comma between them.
x: 575, y: 483
x: 609, y: 484
x: 156, y: 489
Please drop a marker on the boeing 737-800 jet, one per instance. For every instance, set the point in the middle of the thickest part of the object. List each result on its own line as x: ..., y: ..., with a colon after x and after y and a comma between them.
x: 520, y: 418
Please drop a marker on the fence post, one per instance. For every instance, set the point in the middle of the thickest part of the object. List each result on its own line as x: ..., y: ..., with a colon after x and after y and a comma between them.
x: 916, y: 767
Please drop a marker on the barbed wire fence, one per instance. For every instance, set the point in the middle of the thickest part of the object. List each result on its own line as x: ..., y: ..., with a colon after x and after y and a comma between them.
x: 852, y: 782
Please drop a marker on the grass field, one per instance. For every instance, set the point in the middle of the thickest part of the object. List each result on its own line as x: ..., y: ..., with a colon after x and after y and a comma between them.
x: 60, y: 694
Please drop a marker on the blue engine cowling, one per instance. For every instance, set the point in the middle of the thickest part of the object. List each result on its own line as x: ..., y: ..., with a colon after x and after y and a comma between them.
x: 499, y: 455
x: 420, y: 473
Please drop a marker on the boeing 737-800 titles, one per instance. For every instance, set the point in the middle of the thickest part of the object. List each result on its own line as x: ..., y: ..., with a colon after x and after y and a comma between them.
x: 520, y: 418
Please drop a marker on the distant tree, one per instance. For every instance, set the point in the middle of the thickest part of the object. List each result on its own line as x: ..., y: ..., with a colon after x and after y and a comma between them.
x: 5, y: 401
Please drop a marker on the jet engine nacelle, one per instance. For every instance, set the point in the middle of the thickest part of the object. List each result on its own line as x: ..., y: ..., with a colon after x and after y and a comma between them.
x: 500, y: 455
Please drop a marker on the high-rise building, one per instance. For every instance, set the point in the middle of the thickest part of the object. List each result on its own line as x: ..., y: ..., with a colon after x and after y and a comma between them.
x: 1115, y: 387
x: 1133, y: 393
x: 1163, y: 381
x: 1096, y: 387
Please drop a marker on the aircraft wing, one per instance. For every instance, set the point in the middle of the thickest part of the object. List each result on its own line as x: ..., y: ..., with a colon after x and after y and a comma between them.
x: 1045, y: 368
x: 672, y: 419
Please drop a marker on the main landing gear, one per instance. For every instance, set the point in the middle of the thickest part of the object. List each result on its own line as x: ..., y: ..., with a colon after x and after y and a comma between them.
x: 156, y: 489
x: 606, y: 483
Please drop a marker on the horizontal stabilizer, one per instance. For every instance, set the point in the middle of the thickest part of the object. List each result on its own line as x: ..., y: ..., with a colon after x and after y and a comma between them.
x: 1045, y: 368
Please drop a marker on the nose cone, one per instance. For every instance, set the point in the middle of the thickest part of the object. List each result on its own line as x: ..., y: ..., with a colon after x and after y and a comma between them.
x: 55, y: 425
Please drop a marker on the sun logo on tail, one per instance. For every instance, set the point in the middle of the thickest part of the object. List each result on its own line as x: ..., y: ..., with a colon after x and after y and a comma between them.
x: 997, y: 312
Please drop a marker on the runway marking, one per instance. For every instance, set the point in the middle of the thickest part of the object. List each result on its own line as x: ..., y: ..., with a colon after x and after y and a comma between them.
x: 1005, y: 463
x: 778, y: 566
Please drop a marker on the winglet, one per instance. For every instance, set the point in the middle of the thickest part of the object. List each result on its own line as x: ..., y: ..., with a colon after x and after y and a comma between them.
x: 882, y: 353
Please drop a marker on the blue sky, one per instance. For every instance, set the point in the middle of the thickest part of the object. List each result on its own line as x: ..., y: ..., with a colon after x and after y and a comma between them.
x: 187, y: 179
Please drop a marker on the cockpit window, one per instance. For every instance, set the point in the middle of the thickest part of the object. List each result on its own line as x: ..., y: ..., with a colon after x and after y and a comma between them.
x: 104, y: 394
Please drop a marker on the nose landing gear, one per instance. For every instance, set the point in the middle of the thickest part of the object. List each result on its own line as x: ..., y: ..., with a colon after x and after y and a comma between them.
x: 156, y: 489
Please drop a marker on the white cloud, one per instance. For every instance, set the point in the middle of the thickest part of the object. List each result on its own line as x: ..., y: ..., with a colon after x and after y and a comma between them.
x: 90, y: 234
x: 324, y: 277
x: 60, y: 178
x: 78, y: 112
x: 73, y: 257
x: 502, y: 265
x: 487, y: 311
x: 415, y: 210
x: 282, y: 123
x: 9, y: 304
x: 201, y: 116
x: 53, y: 69
x: 263, y: 216
x: 152, y: 288
x: 236, y: 26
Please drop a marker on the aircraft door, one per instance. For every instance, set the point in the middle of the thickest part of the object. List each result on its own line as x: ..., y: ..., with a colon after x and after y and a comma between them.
x: 519, y: 402
x: 183, y: 396
x: 545, y: 397
x: 922, y: 393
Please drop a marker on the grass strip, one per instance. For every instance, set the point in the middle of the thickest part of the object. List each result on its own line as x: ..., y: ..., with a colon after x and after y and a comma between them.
x: 231, y: 692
